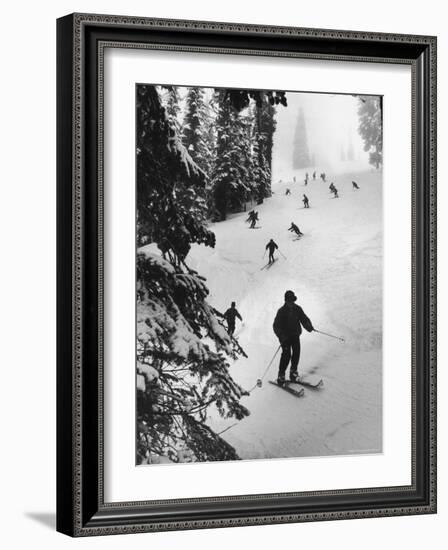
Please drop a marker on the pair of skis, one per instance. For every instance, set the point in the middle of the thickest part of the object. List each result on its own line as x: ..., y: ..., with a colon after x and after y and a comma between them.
x: 287, y: 386
x: 268, y: 265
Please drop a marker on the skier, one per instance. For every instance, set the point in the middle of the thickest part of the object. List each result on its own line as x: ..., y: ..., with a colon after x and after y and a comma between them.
x: 249, y: 216
x: 294, y: 228
x: 287, y: 326
x: 314, y: 175
x: 230, y: 316
x: 288, y: 191
x: 306, y: 202
x: 335, y: 192
x: 331, y: 187
x: 323, y: 176
x: 305, y: 181
x: 355, y: 185
x: 271, y: 246
x: 253, y: 219
x: 307, y: 176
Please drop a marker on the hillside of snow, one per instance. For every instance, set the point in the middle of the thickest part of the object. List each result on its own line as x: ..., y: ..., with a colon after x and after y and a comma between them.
x: 335, y: 269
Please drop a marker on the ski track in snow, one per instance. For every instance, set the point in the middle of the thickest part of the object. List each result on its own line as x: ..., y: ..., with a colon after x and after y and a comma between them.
x: 335, y: 269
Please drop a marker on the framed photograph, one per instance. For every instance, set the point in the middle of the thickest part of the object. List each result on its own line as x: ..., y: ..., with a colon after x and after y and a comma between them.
x: 246, y: 274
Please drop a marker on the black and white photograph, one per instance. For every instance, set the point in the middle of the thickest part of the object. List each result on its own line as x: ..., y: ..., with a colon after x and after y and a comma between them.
x: 259, y: 246
x: 223, y: 217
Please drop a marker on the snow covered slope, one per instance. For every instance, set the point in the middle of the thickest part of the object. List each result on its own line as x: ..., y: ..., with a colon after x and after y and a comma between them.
x: 335, y: 269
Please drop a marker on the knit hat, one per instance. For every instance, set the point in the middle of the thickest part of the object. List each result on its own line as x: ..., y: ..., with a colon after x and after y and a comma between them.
x: 290, y: 296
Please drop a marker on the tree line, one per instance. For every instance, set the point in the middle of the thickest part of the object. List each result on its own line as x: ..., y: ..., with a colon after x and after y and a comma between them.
x: 231, y: 140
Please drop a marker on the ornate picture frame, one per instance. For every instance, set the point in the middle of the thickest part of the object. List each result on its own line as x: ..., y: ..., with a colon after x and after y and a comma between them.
x: 81, y: 506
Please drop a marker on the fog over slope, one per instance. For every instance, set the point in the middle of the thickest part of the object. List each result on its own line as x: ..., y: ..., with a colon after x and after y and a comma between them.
x: 331, y: 127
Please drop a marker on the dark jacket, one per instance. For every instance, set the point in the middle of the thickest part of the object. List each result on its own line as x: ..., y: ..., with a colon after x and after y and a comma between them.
x: 289, y: 321
x: 231, y: 314
x: 295, y: 228
x: 271, y: 246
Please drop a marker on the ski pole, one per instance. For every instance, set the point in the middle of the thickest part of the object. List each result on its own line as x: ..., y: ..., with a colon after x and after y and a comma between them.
x: 330, y: 335
x: 282, y: 253
x: 264, y: 253
x: 259, y: 382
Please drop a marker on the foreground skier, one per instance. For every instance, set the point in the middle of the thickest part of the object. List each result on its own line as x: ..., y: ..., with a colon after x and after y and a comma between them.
x: 288, y: 327
x: 230, y: 316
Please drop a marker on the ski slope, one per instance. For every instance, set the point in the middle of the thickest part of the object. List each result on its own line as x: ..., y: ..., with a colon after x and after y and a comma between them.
x: 335, y: 269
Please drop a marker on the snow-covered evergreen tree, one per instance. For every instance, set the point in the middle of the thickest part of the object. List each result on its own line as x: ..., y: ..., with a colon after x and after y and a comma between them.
x: 370, y: 127
x: 172, y: 99
x: 209, y: 132
x: 183, y: 349
x: 231, y: 185
x: 243, y: 164
x: 210, y: 141
x: 301, y: 158
x: 265, y: 125
x: 193, y: 128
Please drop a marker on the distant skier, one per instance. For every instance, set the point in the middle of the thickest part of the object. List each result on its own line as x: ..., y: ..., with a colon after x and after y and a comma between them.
x: 230, y: 316
x: 249, y: 216
x: 323, y: 176
x: 335, y: 192
x: 306, y: 202
x: 287, y: 326
x: 355, y: 185
x: 331, y: 187
x: 314, y: 175
x: 307, y: 177
x: 305, y: 181
x: 288, y: 191
x: 271, y: 247
x: 294, y: 229
x: 253, y: 219
x: 294, y: 179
